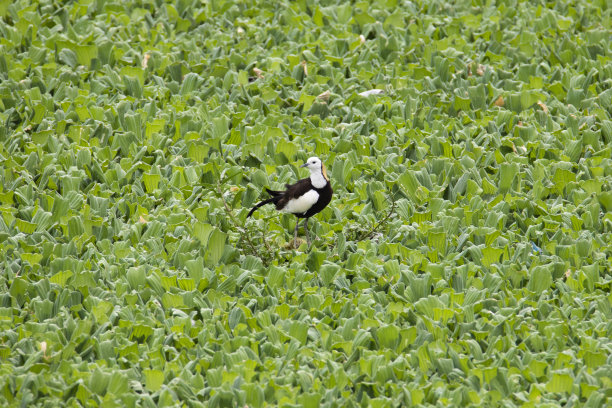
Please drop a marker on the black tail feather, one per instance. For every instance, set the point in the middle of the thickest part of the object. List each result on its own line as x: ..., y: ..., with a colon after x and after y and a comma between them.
x: 269, y: 200
x: 274, y: 193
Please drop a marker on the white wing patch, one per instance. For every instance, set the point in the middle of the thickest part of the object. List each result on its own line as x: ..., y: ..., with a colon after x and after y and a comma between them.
x: 301, y: 204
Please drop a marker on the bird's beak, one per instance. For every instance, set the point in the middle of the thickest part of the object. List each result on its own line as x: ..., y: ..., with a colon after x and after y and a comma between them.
x: 304, y: 165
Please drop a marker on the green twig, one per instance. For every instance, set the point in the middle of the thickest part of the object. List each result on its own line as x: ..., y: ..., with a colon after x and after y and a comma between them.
x: 230, y: 213
x: 376, y: 226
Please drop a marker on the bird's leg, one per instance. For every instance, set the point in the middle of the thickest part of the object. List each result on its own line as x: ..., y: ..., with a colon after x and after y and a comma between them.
x: 306, y: 230
x: 297, y: 224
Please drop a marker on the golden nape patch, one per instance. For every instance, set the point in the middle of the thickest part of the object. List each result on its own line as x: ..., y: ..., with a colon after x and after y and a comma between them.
x: 324, y: 170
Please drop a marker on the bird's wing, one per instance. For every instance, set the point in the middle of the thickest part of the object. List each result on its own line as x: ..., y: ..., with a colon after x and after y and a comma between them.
x: 295, y: 191
x: 298, y: 189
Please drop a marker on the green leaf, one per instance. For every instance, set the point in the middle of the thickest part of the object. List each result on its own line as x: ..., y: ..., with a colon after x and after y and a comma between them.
x: 288, y: 149
x: 42, y: 219
x: 315, y: 260
x: 594, y: 360
x: 154, y: 379
x: 275, y: 276
x: 299, y: 331
x: 151, y: 181
x: 155, y: 126
x: 491, y: 255
x: 98, y: 382
x: 172, y: 301
x: 195, y: 267
x: 236, y: 316
x: 254, y: 395
x: 220, y: 127
x: 198, y: 152
x: 540, y: 280
x: 437, y: 241
x: 39, y: 114
x: 75, y: 227
x: 141, y: 331
x: 61, y: 278
x: 18, y: 290
x: 85, y: 53
x: 190, y: 83
x: 307, y: 100
x: 605, y: 199
x: 68, y: 57
x: 215, y: 246
x: 409, y: 184
x: 507, y: 173
x: 560, y: 383
x: 32, y: 259
x: 25, y: 226
x: 561, y: 178
x: 136, y: 277
x: 461, y: 103
x: 101, y: 311
x: 388, y: 336
x: 134, y: 72
x: 362, y: 18
x: 328, y: 272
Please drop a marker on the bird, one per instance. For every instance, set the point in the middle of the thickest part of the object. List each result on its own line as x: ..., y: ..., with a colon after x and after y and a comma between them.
x: 303, y: 199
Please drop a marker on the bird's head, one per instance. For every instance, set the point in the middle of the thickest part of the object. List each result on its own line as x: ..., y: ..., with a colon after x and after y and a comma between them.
x: 316, y: 166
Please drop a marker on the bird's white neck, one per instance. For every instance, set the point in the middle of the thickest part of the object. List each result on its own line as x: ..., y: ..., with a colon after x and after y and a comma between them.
x: 317, y: 179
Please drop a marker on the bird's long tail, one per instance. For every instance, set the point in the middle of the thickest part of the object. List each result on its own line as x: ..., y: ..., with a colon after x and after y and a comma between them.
x: 264, y: 202
x: 274, y: 193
